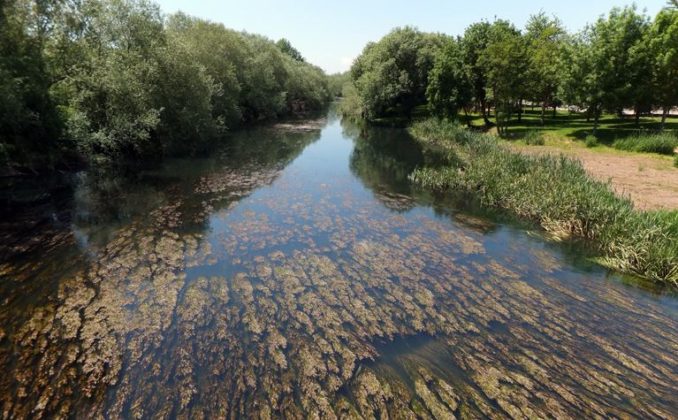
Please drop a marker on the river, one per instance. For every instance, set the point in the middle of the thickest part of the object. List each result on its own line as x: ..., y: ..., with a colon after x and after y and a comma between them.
x: 296, y: 272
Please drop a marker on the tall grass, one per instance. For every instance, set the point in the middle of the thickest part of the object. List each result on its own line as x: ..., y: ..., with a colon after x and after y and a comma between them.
x: 554, y: 192
x: 662, y: 143
x: 534, y: 138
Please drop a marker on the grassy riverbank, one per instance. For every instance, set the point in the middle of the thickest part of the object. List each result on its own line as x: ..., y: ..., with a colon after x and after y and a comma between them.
x: 555, y: 192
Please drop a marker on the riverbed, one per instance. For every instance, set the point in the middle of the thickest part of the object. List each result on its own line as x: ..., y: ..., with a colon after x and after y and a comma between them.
x: 296, y: 272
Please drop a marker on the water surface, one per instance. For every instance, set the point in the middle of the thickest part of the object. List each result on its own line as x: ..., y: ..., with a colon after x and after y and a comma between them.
x: 296, y: 272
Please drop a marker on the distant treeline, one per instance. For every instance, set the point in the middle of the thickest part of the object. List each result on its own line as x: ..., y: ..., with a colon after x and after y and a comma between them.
x: 107, y: 80
x: 624, y: 60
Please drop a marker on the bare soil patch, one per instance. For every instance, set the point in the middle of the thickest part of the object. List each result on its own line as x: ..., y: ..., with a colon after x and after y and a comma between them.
x: 651, y: 182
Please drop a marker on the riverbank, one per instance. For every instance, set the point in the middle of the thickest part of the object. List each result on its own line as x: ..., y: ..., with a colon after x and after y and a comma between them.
x: 554, y: 191
x: 649, y: 180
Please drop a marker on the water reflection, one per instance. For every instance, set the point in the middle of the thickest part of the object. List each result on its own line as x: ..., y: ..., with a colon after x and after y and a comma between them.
x: 296, y: 273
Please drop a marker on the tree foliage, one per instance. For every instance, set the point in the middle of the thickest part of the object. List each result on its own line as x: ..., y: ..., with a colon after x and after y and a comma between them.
x: 449, y: 86
x: 545, y: 40
x: 623, y: 61
x: 116, y: 79
x: 505, y: 62
x: 392, y: 74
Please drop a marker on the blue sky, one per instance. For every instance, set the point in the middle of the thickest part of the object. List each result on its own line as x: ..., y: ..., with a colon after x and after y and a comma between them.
x: 331, y: 33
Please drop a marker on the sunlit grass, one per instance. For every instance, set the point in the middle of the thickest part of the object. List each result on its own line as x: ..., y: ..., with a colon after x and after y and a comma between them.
x: 661, y: 143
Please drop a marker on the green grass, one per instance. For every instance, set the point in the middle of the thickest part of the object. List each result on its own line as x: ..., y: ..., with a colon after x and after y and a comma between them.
x: 534, y: 138
x: 661, y: 143
x: 591, y: 141
x: 575, y: 126
x: 555, y: 192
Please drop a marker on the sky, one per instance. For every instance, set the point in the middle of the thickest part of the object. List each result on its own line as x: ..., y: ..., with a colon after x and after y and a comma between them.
x: 331, y: 34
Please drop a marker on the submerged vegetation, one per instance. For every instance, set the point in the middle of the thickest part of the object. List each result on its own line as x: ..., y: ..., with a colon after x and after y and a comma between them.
x: 555, y: 192
x: 235, y: 286
x: 106, y: 80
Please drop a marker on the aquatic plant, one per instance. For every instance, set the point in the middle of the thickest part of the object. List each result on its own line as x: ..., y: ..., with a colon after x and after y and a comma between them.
x: 556, y: 193
x: 303, y: 303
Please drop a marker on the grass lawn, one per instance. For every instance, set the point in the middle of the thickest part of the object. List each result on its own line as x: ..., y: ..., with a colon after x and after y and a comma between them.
x: 570, y: 130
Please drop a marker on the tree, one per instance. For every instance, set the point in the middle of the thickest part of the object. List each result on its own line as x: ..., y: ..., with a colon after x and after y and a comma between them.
x: 662, y: 42
x: 337, y: 81
x: 108, y: 98
x: 544, y: 39
x: 604, y: 71
x: 222, y: 54
x: 391, y: 75
x: 29, y: 123
x: 287, y: 48
x: 475, y: 40
x: 449, y: 85
x: 505, y: 63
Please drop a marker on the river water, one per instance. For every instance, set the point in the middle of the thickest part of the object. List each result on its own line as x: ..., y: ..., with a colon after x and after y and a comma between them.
x: 295, y: 272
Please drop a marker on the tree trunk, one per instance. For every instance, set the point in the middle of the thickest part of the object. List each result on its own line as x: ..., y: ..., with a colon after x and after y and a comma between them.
x: 520, y: 110
x: 543, y: 113
x: 554, y: 110
x: 637, y: 110
x: 596, y: 116
x: 665, y: 112
x: 483, y: 107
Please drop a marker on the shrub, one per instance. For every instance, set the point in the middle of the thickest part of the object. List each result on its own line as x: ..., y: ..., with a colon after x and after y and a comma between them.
x: 662, y: 143
x: 591, y: 141
x: 675, y: 161
x: 556, y: 193
x: 534, y: 138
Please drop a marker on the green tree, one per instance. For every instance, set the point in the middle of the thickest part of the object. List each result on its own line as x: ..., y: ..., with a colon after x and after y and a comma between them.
x: 505, y: 62
x: 336, y: 83
x: 604, y: 74
x: 108, y: 97
x: 449, y: 85
x: 29, y: 124
x: 221, y: 52
x: 475, y: 40
x: 545, y: 38
x: 287, y: 48
x: 391, y: 75
x: 662, y: 42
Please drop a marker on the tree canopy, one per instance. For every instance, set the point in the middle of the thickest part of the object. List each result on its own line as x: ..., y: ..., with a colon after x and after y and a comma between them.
x: 622, y: 61
x: 106, y: 80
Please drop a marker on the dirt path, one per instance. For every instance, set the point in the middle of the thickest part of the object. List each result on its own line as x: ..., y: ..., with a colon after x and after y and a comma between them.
x: 651, y: 182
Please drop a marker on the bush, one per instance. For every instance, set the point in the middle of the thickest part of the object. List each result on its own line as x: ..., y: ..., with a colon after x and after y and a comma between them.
x: 662, y: 143
x: 591, y: 141
x: 534, y: 138
x: 675, y: 161
x: 556, y: 193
